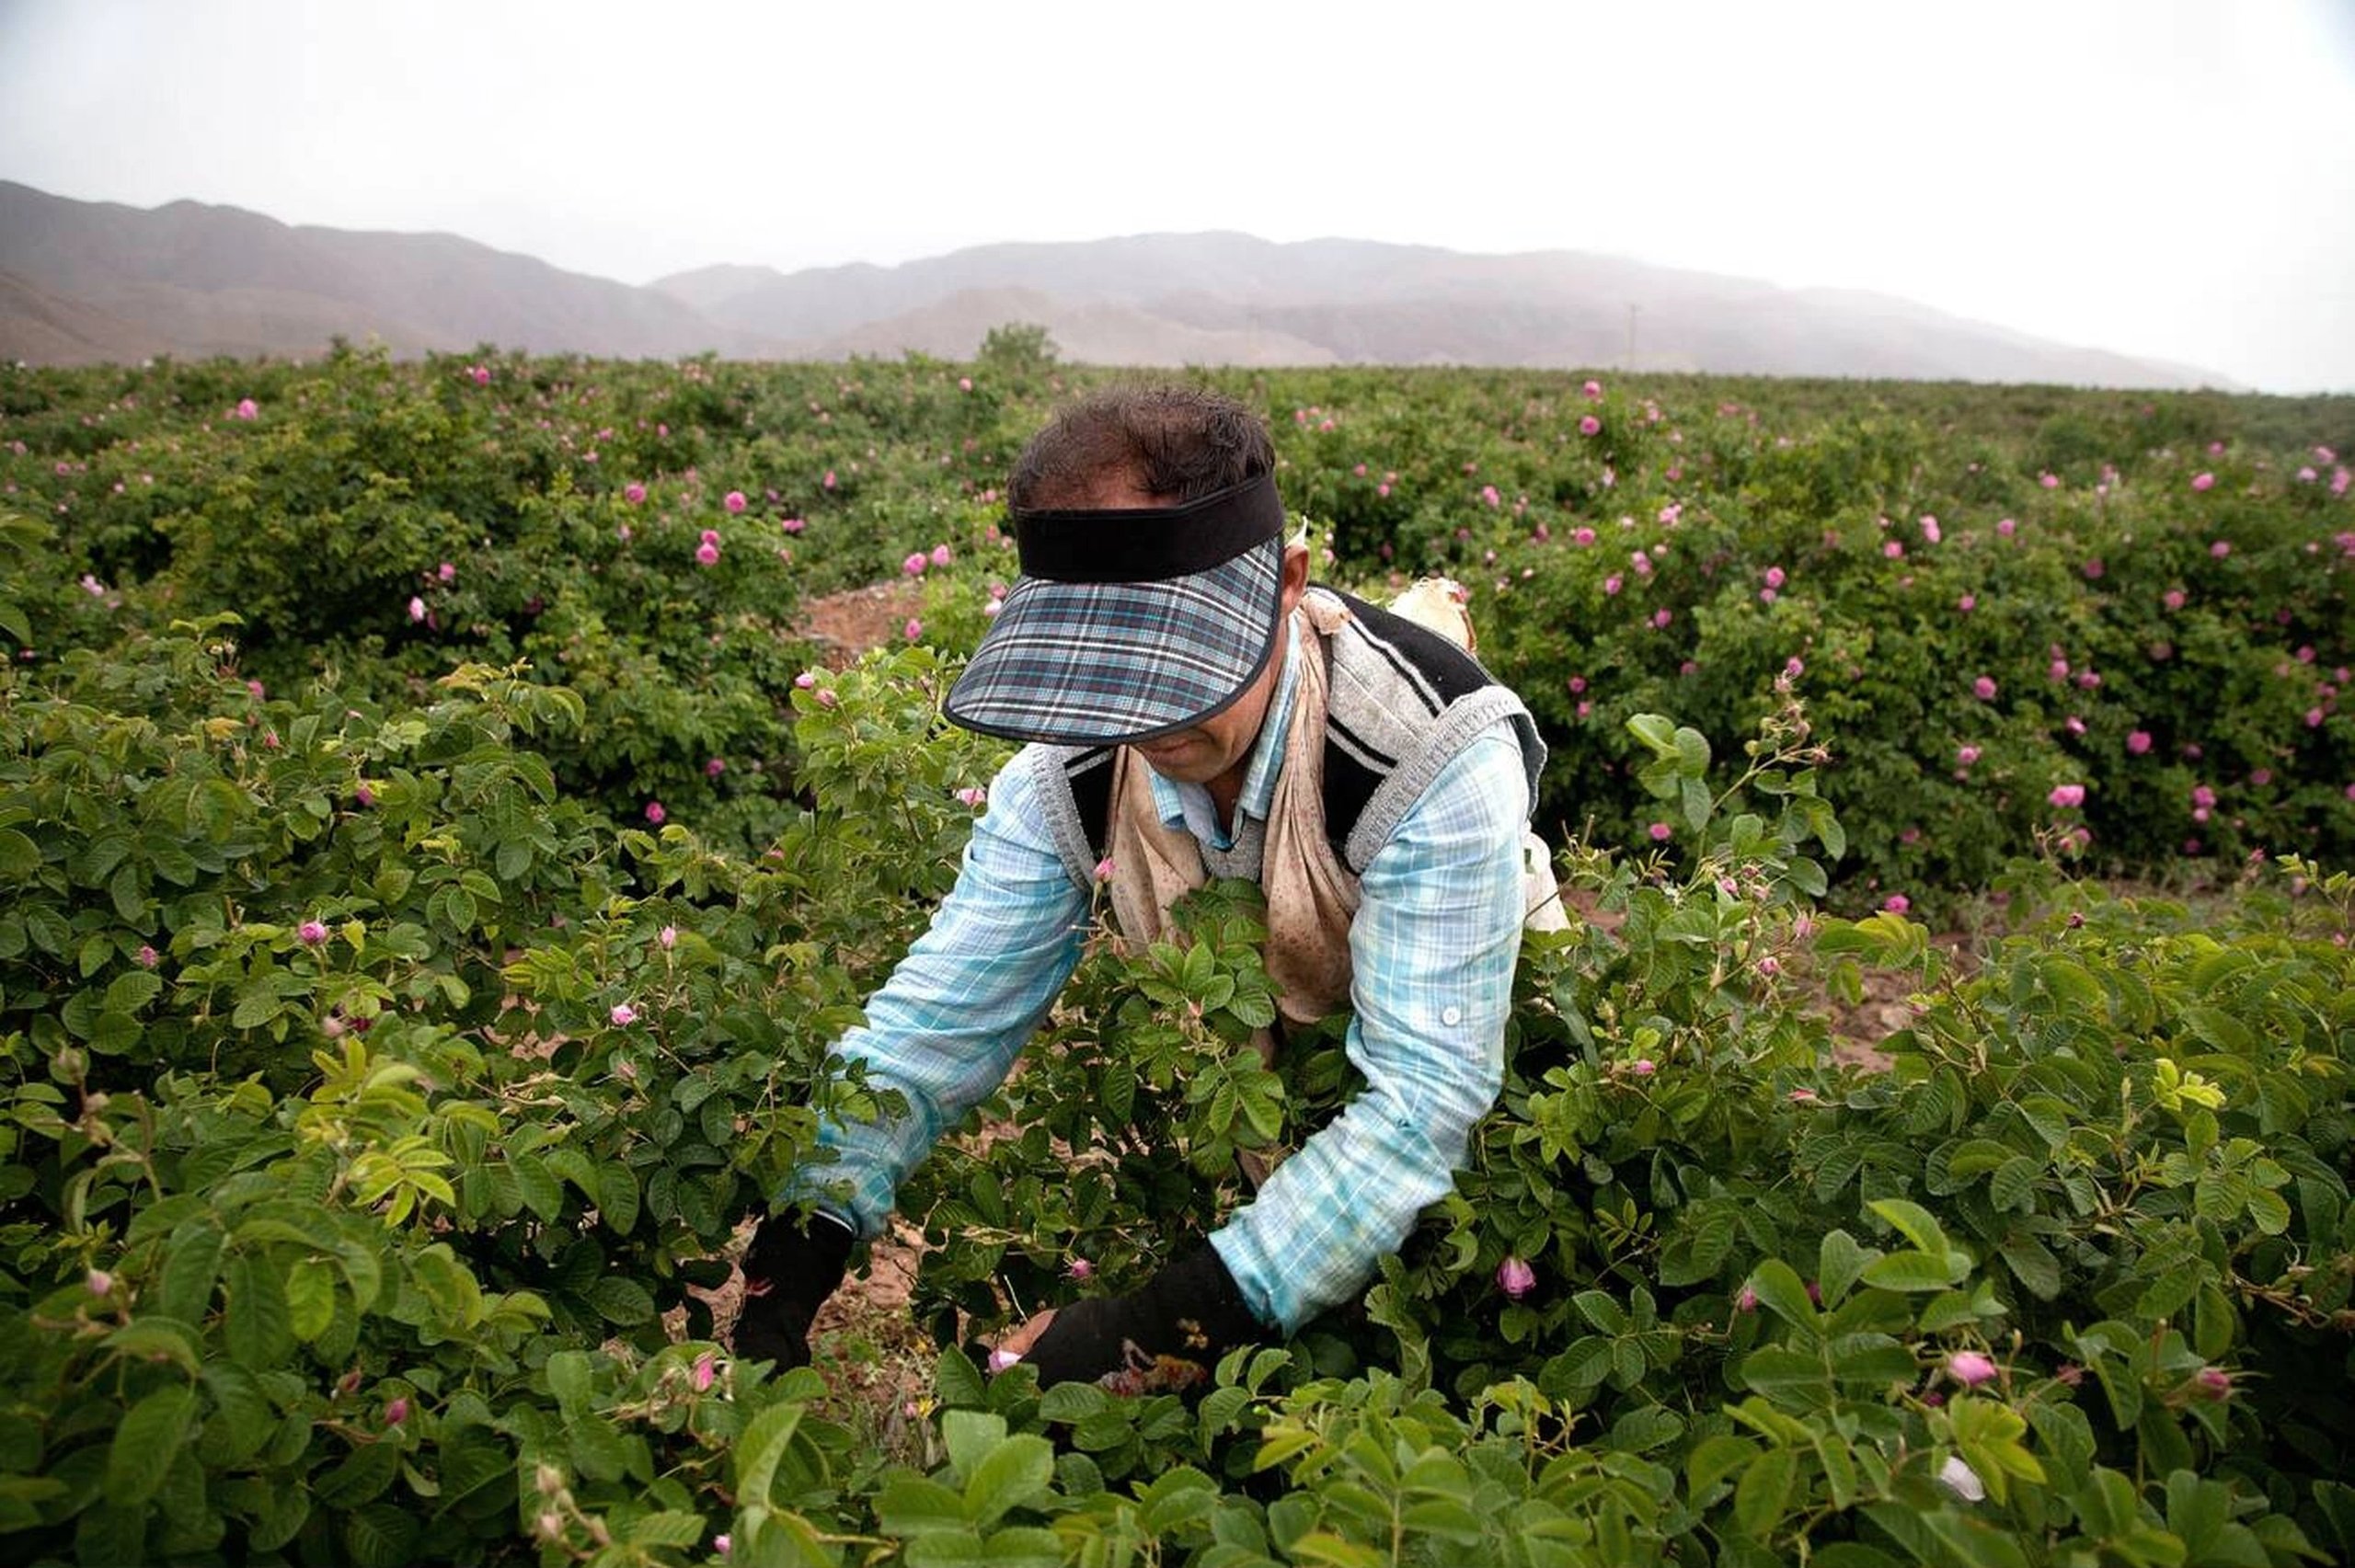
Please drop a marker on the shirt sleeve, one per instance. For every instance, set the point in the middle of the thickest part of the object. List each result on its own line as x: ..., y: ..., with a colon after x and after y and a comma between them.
x: 1432, y: 949
x: 944, y: 1029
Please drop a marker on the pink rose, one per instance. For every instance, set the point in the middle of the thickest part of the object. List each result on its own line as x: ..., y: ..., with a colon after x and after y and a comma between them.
x: 1969, y: 1368
x: 733, y: 500
x: 1516, y: 1278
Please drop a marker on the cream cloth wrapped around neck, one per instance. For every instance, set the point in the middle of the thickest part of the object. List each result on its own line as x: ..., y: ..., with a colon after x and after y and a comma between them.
x: 1311, y: 896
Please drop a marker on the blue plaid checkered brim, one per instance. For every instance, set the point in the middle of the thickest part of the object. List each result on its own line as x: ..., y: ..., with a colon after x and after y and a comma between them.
x: 1093, y: 664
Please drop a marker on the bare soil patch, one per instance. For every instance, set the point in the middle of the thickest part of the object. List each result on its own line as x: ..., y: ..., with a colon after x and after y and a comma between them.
x: 847, y: 625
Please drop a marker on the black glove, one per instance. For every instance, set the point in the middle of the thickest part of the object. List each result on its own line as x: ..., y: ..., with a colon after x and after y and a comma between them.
x: 790, y: 1270
x: 1162, y: 1338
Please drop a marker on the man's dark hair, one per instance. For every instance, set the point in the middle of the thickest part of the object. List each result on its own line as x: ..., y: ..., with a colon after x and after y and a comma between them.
x: 1179, y: 442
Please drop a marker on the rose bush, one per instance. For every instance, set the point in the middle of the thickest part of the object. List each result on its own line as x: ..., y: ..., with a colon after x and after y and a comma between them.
x: 385, y: 1088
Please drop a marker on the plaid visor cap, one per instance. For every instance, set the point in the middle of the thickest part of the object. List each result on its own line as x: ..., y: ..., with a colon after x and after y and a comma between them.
x: 1128, y: 623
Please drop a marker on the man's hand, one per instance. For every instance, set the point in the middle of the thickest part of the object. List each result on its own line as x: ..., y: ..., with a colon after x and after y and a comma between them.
x: 1016, y: 1345
x: 1162, y: 1338
x: 790, y: 1270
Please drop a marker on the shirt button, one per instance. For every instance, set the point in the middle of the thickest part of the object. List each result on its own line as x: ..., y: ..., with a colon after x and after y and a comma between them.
x: 1451, y: 1015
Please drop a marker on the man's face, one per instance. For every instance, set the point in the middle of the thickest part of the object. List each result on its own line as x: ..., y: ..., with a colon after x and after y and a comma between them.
x: 1220, y: 744
x: 1219, y: 747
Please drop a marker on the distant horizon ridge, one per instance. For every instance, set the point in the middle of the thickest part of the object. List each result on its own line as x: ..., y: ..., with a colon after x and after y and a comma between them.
x: 97, y: 281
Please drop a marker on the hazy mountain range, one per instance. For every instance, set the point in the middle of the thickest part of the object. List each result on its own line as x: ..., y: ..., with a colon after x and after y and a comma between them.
x: 83, y: 281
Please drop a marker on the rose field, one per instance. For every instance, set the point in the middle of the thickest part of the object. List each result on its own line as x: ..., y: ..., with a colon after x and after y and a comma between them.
x: 447, y: 810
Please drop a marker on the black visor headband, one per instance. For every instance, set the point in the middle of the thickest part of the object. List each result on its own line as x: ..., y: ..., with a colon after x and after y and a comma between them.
x: 1149, y: 543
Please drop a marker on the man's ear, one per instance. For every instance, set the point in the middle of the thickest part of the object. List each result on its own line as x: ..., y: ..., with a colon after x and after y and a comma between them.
x: 1295, y: 575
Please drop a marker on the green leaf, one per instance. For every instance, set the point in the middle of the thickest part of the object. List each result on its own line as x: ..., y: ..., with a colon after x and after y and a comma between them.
x: 1780, y: 1292
x: 2033, y: 1264
x: 284, y: 1510
x: 760, y: 1450
x: 146, y: 1445
x: 1012, y: 1475
x: 1694, y: 799
x: 130, y: 990
x: 360, y: 1479
x: 1916, y: 1271
x: 617, y: 1198
x: 1916, y: 1224
x: 1643, y: 1429
x: 1598, y: 1309
x: 1778, y: 1369
x: 569, y: 1380
x: 675, y: 1529
x: 310, y: 1298
x: 446, y: 1283
x: 1838, y: 1261
x: 960, y: 1382
x: 622, y: 1300
x: 381, y: 1535
x: 915, y: 1508
x: 1764, y: 1491
x: 1322, y: 1546
x: 154, y: 1338
x: 969, y: 1435
x: 542, y: 1192
x: 2013, y: 1181
x: 242, y: 1419
x: 256, y: 1326
x: 19, y: 856
x: 1714, y: 1459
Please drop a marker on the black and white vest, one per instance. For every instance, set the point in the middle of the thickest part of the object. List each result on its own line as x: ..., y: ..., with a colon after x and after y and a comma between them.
x: 1401, y: 701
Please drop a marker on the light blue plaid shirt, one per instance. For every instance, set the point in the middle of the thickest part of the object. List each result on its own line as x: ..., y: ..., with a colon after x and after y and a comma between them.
x: 1433, y: 946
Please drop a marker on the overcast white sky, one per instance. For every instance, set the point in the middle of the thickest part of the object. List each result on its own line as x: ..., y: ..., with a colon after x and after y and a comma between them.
x: 2173, y: 178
